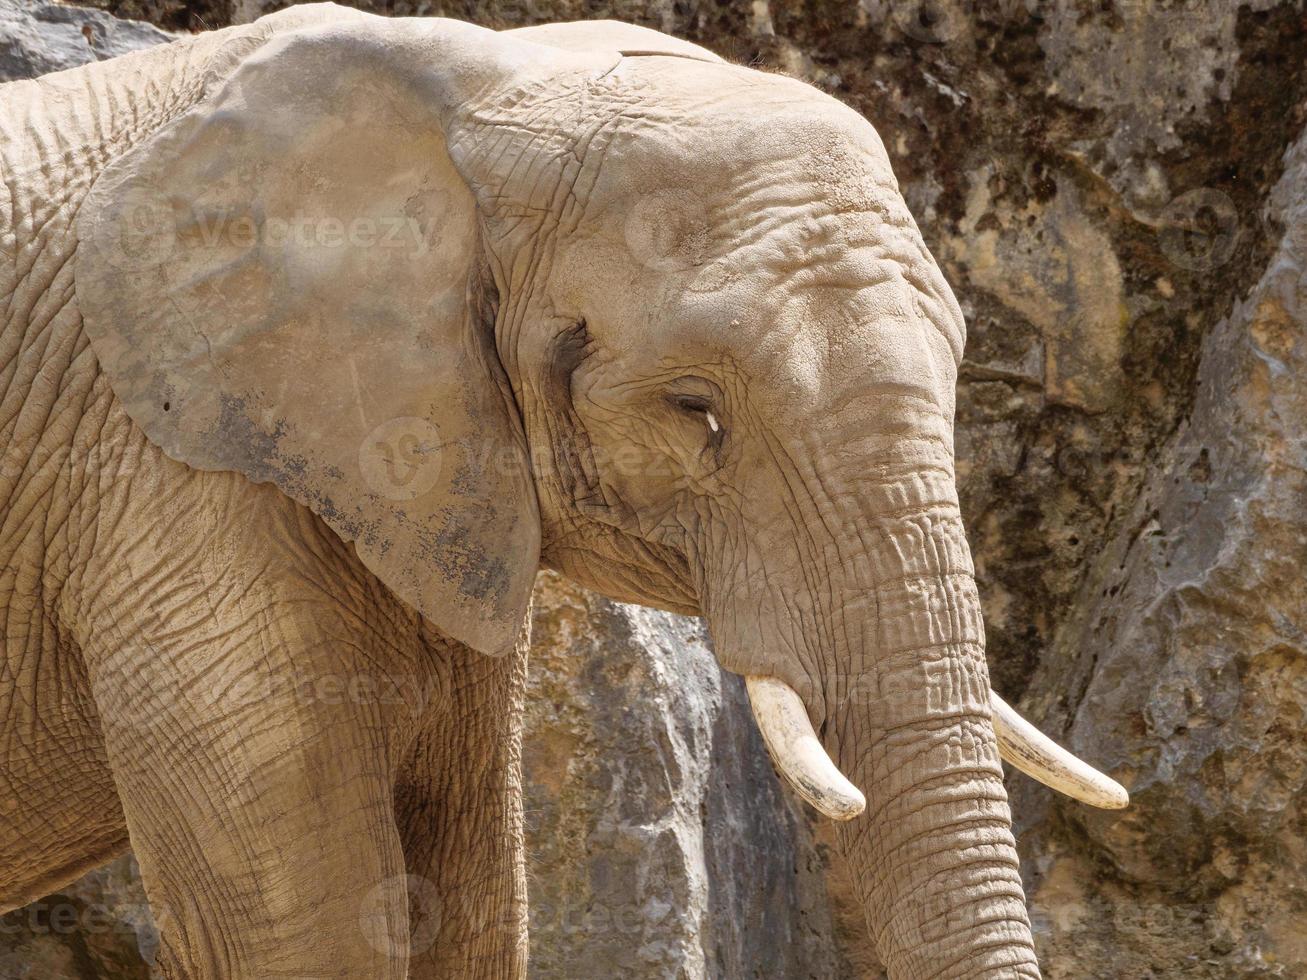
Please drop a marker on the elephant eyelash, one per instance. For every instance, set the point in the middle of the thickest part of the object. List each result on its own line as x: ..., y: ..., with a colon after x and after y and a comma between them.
x: 695, y: 405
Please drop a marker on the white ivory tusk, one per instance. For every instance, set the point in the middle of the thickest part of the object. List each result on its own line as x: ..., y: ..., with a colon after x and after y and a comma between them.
x: 785, y: 727
x: 1038, y: 756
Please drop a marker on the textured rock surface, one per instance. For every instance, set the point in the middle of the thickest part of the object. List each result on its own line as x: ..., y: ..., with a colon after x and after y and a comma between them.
x: 98, y: 928
x: 1191, y: 638
x: 662, y: 844
x: 1108, y: 187
x: 36, y: 38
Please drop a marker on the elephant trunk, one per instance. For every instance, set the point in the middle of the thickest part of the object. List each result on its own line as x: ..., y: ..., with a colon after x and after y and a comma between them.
x: 933, y: 858
x: 885, y: 626
x: 906, y: 715
x: 934, y: 861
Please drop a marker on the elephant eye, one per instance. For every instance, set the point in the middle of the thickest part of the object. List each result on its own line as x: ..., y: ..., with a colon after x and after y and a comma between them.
x: 691, y: 403
x: 701, y: 407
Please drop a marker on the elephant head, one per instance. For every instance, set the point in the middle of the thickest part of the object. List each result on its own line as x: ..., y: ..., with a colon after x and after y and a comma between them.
x: 591, y: 297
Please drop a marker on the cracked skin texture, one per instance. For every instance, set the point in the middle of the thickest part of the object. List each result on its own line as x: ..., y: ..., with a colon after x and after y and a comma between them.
x: 1021, y: 117
x: 708, y: 347
x: 155, y: 613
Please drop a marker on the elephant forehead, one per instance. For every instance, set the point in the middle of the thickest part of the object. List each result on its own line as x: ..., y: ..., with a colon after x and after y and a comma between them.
x: 714, y: 129
x: 810, y: 306
x: 821, y: 342
x: 738, y: 215
x: 736, y: 169
x: 658, y: 226
x: 800, y: 352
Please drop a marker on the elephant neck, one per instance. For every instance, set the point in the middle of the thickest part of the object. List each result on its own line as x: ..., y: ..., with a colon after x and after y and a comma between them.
x: 57, y: 134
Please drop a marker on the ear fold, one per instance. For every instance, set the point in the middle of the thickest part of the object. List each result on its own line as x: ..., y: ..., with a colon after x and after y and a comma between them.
x: 286, y: 282
x: 613, y: 35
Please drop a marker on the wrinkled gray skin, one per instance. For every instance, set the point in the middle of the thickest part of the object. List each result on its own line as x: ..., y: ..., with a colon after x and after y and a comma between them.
x: 731, y: 360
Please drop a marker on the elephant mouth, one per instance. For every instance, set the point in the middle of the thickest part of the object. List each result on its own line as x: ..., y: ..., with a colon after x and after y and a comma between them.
x: 800, y: 758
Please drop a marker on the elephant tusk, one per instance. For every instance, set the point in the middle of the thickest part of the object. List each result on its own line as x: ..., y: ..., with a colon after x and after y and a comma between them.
x: 785, y: 727
x: 1038, y: 756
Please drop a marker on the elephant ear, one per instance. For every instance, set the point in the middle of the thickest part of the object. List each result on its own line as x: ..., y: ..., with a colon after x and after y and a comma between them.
x: 286, y: 282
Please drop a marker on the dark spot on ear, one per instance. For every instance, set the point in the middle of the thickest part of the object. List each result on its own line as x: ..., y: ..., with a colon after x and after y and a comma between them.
x: 249, y: 447
x: 455, y: 552
x: 167, y: 405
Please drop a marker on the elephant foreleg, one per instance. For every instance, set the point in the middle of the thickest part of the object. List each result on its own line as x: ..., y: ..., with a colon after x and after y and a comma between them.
x: 235, y: 679
x: 459, y: 809
x: 59, y: 813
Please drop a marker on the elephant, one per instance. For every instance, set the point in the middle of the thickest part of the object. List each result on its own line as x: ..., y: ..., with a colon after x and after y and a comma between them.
x: 323, y: 334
